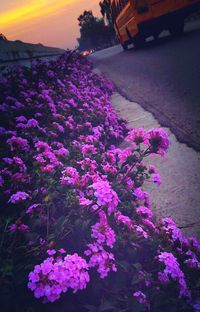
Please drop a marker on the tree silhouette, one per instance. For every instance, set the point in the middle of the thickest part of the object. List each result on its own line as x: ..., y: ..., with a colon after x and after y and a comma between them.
x: 94, y: 33
x: 86, y: 19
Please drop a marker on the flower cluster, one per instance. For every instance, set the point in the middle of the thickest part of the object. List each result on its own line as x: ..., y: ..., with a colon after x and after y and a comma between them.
x: 156, y: 140
x: 55, y: 276
x: 141, y: 298
x: 102, y: 232
x: 172, y: 270
x: 18, y: 197
x: 105, y: 195
x: 101, y: 258
x: 70, y: 176
x: 18, y: 227
x: 65, y: 180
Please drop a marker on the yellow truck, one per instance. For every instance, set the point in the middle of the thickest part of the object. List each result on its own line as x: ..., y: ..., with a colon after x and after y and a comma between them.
x: 135, y: 20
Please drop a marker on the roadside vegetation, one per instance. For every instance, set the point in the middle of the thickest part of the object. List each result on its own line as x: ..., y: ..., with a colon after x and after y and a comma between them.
x: 94, y: 34
x: 77, y: 229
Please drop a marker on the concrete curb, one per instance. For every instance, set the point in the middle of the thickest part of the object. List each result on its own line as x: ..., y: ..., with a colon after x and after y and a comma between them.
x: 178, y: 196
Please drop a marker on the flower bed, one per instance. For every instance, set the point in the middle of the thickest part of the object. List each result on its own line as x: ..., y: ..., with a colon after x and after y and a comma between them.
x: 77, y: 228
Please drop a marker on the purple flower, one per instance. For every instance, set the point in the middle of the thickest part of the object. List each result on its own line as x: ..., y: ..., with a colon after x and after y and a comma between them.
x: 105, y: 195
x: 32, y: 208
x: 103, y: 260
x: 51, y: 252
x: 121, y: 219
x: 21, y: 119
x: 70, y: 176
x: 140, y: 232
x: 18, y: 197
x: 156, y: 178
x: 18, y: 143
x: 102, y: 232
x: 32, y: 123
x: 18, y: 227
x: 88, y: 149
x: 137, y: 136
x: 59, y: 127
x: 62, y: 152
x: 158, y: 141
x: 140, y: 296
x: 84, y: 201
x: 62, y: 250
x: 55, y: 276
x: 139, y: 194
x: 172, y: 270
x: 144, y: 212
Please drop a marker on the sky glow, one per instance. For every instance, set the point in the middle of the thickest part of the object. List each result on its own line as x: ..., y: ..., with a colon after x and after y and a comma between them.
x: 51, y: 22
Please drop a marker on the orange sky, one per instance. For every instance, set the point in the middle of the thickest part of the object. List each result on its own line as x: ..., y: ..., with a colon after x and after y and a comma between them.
x: 51, y: 22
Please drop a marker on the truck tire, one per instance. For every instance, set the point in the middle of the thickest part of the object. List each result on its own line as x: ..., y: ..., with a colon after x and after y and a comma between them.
x: 139, y: 41
x: 124, y: 46
x: 177, y: 27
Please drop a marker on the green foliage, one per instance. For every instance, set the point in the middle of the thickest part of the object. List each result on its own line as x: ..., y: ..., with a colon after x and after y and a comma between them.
x: 94, y: 33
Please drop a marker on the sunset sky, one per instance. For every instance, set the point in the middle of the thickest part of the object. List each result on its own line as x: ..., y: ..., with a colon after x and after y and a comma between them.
x: 50, y: 22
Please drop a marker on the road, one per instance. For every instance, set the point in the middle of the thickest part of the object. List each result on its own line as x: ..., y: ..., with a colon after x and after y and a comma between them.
x: 163, y: 77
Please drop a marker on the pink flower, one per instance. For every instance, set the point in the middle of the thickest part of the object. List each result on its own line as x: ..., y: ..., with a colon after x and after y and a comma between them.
x: 149, y: 224
x: 12, y: 228
x: 47, y: 168
x: 140, y: 231
x: 140, y: 296
x: 21, y: 119
x: 42, y: 146
x: 84, y: 201
x: 158, y: 141
x: 156, y: 178
x: 124, y: 154
x: 144, y: 212
x: 32, y: 208
x: 88, y: 149
x: 51, y: 252
x: 62, y: 152
x: 102, y: 232
x: 59, y: 127
x: 139, y: 193
x: 137, y: 136
x: 55, y: 276
x: 18, y: 143
x: 32, y: 123
x: 103, y: 260
x: 105, y: 195
x: 70, y: 176
x: 172, y: 270
x: 18, y: 227
x: 62, y: 250
x: 121, y: 219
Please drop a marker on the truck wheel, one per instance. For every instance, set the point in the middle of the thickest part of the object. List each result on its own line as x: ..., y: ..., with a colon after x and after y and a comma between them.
x: 124, y: 46
x: 139, y: 41
x: 177, y: 28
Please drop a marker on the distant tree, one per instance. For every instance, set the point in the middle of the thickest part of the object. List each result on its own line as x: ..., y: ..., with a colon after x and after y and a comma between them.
x: 3, y: 37
x: 86, y: 19
x: 94, y: 33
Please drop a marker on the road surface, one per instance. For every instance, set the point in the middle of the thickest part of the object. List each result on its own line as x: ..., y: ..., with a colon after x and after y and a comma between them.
x: 163, y: 77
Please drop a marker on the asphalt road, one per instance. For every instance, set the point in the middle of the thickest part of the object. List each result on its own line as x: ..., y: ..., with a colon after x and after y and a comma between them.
x: 163, y: 77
